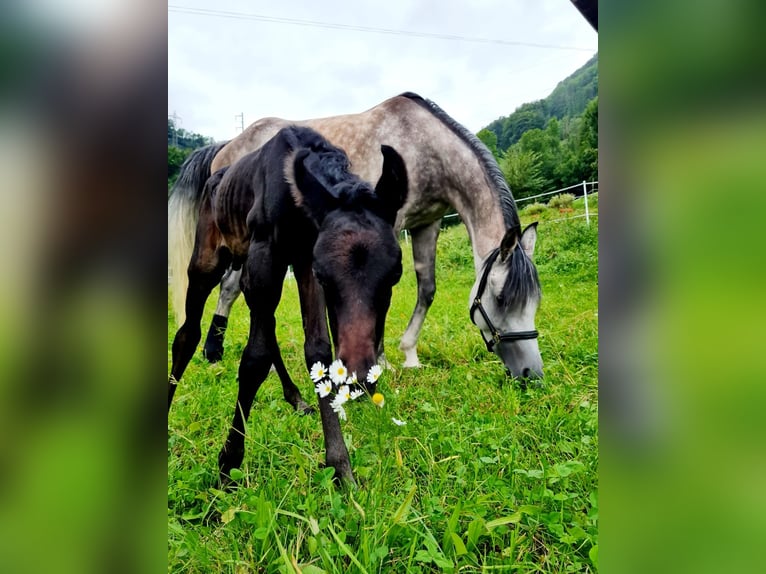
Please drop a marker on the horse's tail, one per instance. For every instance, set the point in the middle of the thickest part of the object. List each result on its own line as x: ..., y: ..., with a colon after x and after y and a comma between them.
x: 183, y: 214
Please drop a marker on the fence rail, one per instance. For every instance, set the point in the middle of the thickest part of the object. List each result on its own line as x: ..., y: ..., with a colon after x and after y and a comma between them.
x: 584, y: 185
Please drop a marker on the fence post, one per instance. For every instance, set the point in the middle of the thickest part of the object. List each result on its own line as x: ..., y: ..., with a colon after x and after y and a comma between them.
x: 585, y: 196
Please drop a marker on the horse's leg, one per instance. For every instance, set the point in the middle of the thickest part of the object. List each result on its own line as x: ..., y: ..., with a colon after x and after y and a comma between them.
x: 317, y: 348
x: 205, y: 270
x: 262, y: 287
x: 424, y: 255
x: 230, y: 290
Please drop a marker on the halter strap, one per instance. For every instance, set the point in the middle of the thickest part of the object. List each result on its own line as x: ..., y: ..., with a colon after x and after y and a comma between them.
x: 497, y: 336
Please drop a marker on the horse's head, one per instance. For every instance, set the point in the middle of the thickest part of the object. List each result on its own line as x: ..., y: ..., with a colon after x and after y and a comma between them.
x: 357, y: 258
x: 504, y: 301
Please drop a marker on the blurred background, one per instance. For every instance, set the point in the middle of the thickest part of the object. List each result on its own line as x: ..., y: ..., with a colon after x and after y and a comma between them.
x: 82, y: 222
x: 82, y: 229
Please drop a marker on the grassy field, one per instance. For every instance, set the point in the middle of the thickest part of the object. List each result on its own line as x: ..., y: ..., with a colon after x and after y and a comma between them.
x: 484, y: 476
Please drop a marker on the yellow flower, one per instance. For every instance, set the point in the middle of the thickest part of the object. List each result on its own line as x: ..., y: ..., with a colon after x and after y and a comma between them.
x: 379, y: 399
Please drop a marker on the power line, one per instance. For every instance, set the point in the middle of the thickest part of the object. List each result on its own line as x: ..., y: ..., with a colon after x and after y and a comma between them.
x: 334, y: 26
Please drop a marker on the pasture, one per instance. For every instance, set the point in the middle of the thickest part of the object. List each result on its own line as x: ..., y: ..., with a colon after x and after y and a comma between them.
x: 484, y: 476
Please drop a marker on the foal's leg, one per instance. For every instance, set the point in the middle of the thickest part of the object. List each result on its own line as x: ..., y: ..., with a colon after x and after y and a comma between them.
x: 230, y: 290
x: 262, y: 287
x: 205, y: 270
x: 291, y: 392
x: 424, y: 255
x: 317, y: 348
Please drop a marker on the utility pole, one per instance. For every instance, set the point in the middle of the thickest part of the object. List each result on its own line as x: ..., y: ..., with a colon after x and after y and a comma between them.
x: 241, y: 125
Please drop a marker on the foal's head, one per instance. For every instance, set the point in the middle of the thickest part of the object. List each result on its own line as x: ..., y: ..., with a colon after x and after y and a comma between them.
x: 357, y: 258
x: 504, y: 302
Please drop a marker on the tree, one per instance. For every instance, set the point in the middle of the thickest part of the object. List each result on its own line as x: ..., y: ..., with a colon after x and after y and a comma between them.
x: 489, y: 139
x: 176, y: 158
x: 588, y: 149
x: 522, y: 171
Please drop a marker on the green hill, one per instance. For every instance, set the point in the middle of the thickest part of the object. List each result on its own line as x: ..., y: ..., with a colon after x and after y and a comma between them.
x: 568, y: 99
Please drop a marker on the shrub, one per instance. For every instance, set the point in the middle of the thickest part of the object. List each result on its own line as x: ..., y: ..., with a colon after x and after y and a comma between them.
x: 561, y: 200
x: 534, y: 208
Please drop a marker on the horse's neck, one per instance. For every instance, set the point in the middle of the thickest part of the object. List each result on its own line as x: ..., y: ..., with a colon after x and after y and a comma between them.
x: 485, y: 225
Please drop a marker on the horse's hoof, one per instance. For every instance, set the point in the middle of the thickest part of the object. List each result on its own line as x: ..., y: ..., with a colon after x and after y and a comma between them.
x: 212, y: 355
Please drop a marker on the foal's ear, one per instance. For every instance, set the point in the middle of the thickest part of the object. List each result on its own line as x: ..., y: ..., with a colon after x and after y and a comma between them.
x: 529, y: 238
x: 308, y: 190
x: 391, y: 188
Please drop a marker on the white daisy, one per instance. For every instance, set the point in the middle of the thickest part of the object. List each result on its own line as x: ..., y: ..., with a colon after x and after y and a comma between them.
x: 323, y: 388
x: 341, y: 412
x: 355, y: 394
x: 374, y: 374
x: 343, y: 394
x: 337, y: 405
x: 338, y: 372
x: 318, y: 372
x: 352, y: 380
x: 398, y: 423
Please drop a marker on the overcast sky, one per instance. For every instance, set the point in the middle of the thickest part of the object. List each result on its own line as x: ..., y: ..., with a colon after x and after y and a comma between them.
x: 280, y: 58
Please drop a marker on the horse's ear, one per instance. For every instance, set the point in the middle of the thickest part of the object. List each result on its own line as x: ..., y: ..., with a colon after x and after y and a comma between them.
x: 509, y: 243
x: 391, y: 188
x: 529, y: 239
x: 308, y: 190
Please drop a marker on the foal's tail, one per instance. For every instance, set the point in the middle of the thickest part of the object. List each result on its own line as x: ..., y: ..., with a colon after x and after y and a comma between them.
x: 183, y: 214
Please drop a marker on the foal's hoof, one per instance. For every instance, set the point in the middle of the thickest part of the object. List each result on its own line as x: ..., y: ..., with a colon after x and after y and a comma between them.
x: 304, y: 409
x: 227, y: 483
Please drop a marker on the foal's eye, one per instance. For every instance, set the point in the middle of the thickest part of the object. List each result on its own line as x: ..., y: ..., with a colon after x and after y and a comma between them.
x: 320, y: 278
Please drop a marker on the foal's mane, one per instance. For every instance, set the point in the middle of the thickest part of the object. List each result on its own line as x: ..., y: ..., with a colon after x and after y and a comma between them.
x: 331, y: 165
x: 487, y: 161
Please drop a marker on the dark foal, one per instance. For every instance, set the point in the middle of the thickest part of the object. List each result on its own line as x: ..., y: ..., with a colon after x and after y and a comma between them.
x: 294, y: 202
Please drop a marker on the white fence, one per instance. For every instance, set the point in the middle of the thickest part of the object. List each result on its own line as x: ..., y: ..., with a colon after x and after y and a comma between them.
x: 584, y: 185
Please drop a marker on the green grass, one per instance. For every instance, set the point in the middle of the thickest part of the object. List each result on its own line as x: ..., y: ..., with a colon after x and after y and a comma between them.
x: 484, y: 477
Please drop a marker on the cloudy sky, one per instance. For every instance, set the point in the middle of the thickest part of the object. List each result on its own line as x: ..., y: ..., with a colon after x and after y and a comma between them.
x: 297, y: 59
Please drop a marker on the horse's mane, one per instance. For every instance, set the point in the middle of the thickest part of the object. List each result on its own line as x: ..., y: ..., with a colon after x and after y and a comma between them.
x: 196, y: 167
x: 482, y: 153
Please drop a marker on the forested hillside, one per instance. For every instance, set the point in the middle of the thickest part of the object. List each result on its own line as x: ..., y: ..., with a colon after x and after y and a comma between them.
x: 553, y: 142
x: 569, y: 98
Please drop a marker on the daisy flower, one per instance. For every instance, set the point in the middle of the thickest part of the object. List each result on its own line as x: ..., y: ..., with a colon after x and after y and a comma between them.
x: 338, y: 402
x: 338, y: 372
x: 379, y: 399
x: 318, y: 372
x: 398, y: 423
x: 355, y: 394
x: 341, y: 412
x: 343, y: 395
x: 323, y: 388
x: 374, y: 374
